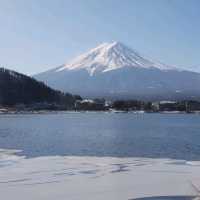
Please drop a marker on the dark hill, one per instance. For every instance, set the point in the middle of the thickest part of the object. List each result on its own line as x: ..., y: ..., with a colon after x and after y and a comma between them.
x: 16, y: 88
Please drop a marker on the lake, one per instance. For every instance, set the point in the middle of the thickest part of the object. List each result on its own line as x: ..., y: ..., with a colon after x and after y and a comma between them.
x: 103, y: 134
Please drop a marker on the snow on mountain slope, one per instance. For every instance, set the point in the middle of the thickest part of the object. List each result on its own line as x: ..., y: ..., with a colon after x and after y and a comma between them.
x: 110, y: 56
x: 116, y: 71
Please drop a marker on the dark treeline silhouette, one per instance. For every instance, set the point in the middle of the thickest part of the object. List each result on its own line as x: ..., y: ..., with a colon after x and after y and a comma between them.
x: 16, y: 88
x: 131, y: 105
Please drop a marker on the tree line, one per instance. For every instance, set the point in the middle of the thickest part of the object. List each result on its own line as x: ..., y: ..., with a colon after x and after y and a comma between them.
x: 16, y: 88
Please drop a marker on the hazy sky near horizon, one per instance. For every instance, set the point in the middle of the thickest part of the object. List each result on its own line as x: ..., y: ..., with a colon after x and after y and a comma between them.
x: 38, y: 35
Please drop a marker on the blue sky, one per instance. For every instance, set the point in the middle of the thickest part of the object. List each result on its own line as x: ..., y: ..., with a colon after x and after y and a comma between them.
x: 38, y: 35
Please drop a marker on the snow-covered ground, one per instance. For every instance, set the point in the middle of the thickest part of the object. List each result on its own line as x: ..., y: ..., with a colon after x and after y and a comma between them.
x: 98, y: 178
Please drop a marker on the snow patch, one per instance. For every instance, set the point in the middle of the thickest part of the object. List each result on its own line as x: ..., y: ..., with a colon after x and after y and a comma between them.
x: 71, y: 177
x: 111, y: 56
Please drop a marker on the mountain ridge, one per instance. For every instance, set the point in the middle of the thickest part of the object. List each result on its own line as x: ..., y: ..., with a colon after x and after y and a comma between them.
x: 115, y: 70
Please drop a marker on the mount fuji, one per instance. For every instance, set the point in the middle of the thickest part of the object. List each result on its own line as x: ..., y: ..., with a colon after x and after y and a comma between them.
x: 113, y: 70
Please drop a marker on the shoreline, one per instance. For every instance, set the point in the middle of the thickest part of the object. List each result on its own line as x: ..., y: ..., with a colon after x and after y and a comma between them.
x: 14, y: 112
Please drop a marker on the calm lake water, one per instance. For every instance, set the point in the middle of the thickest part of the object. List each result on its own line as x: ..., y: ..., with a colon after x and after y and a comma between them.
x: 103, y: 134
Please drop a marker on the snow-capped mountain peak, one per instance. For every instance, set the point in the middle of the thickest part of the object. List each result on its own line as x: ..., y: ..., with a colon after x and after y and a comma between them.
x: 113, y: 70
x: 110, y: 56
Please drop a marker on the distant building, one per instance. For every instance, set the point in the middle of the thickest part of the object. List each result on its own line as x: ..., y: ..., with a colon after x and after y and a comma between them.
x: 155, y: 106
x: 167, y: 102
x: 167, y: 105
x: 88, y: 104
x: 164, y: 106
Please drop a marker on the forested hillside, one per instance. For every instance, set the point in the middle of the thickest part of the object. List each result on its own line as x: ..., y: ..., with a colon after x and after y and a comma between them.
x: 16, y: 88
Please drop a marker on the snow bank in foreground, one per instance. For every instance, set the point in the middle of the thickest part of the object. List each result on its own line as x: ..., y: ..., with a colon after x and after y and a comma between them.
x: 99, y: 178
